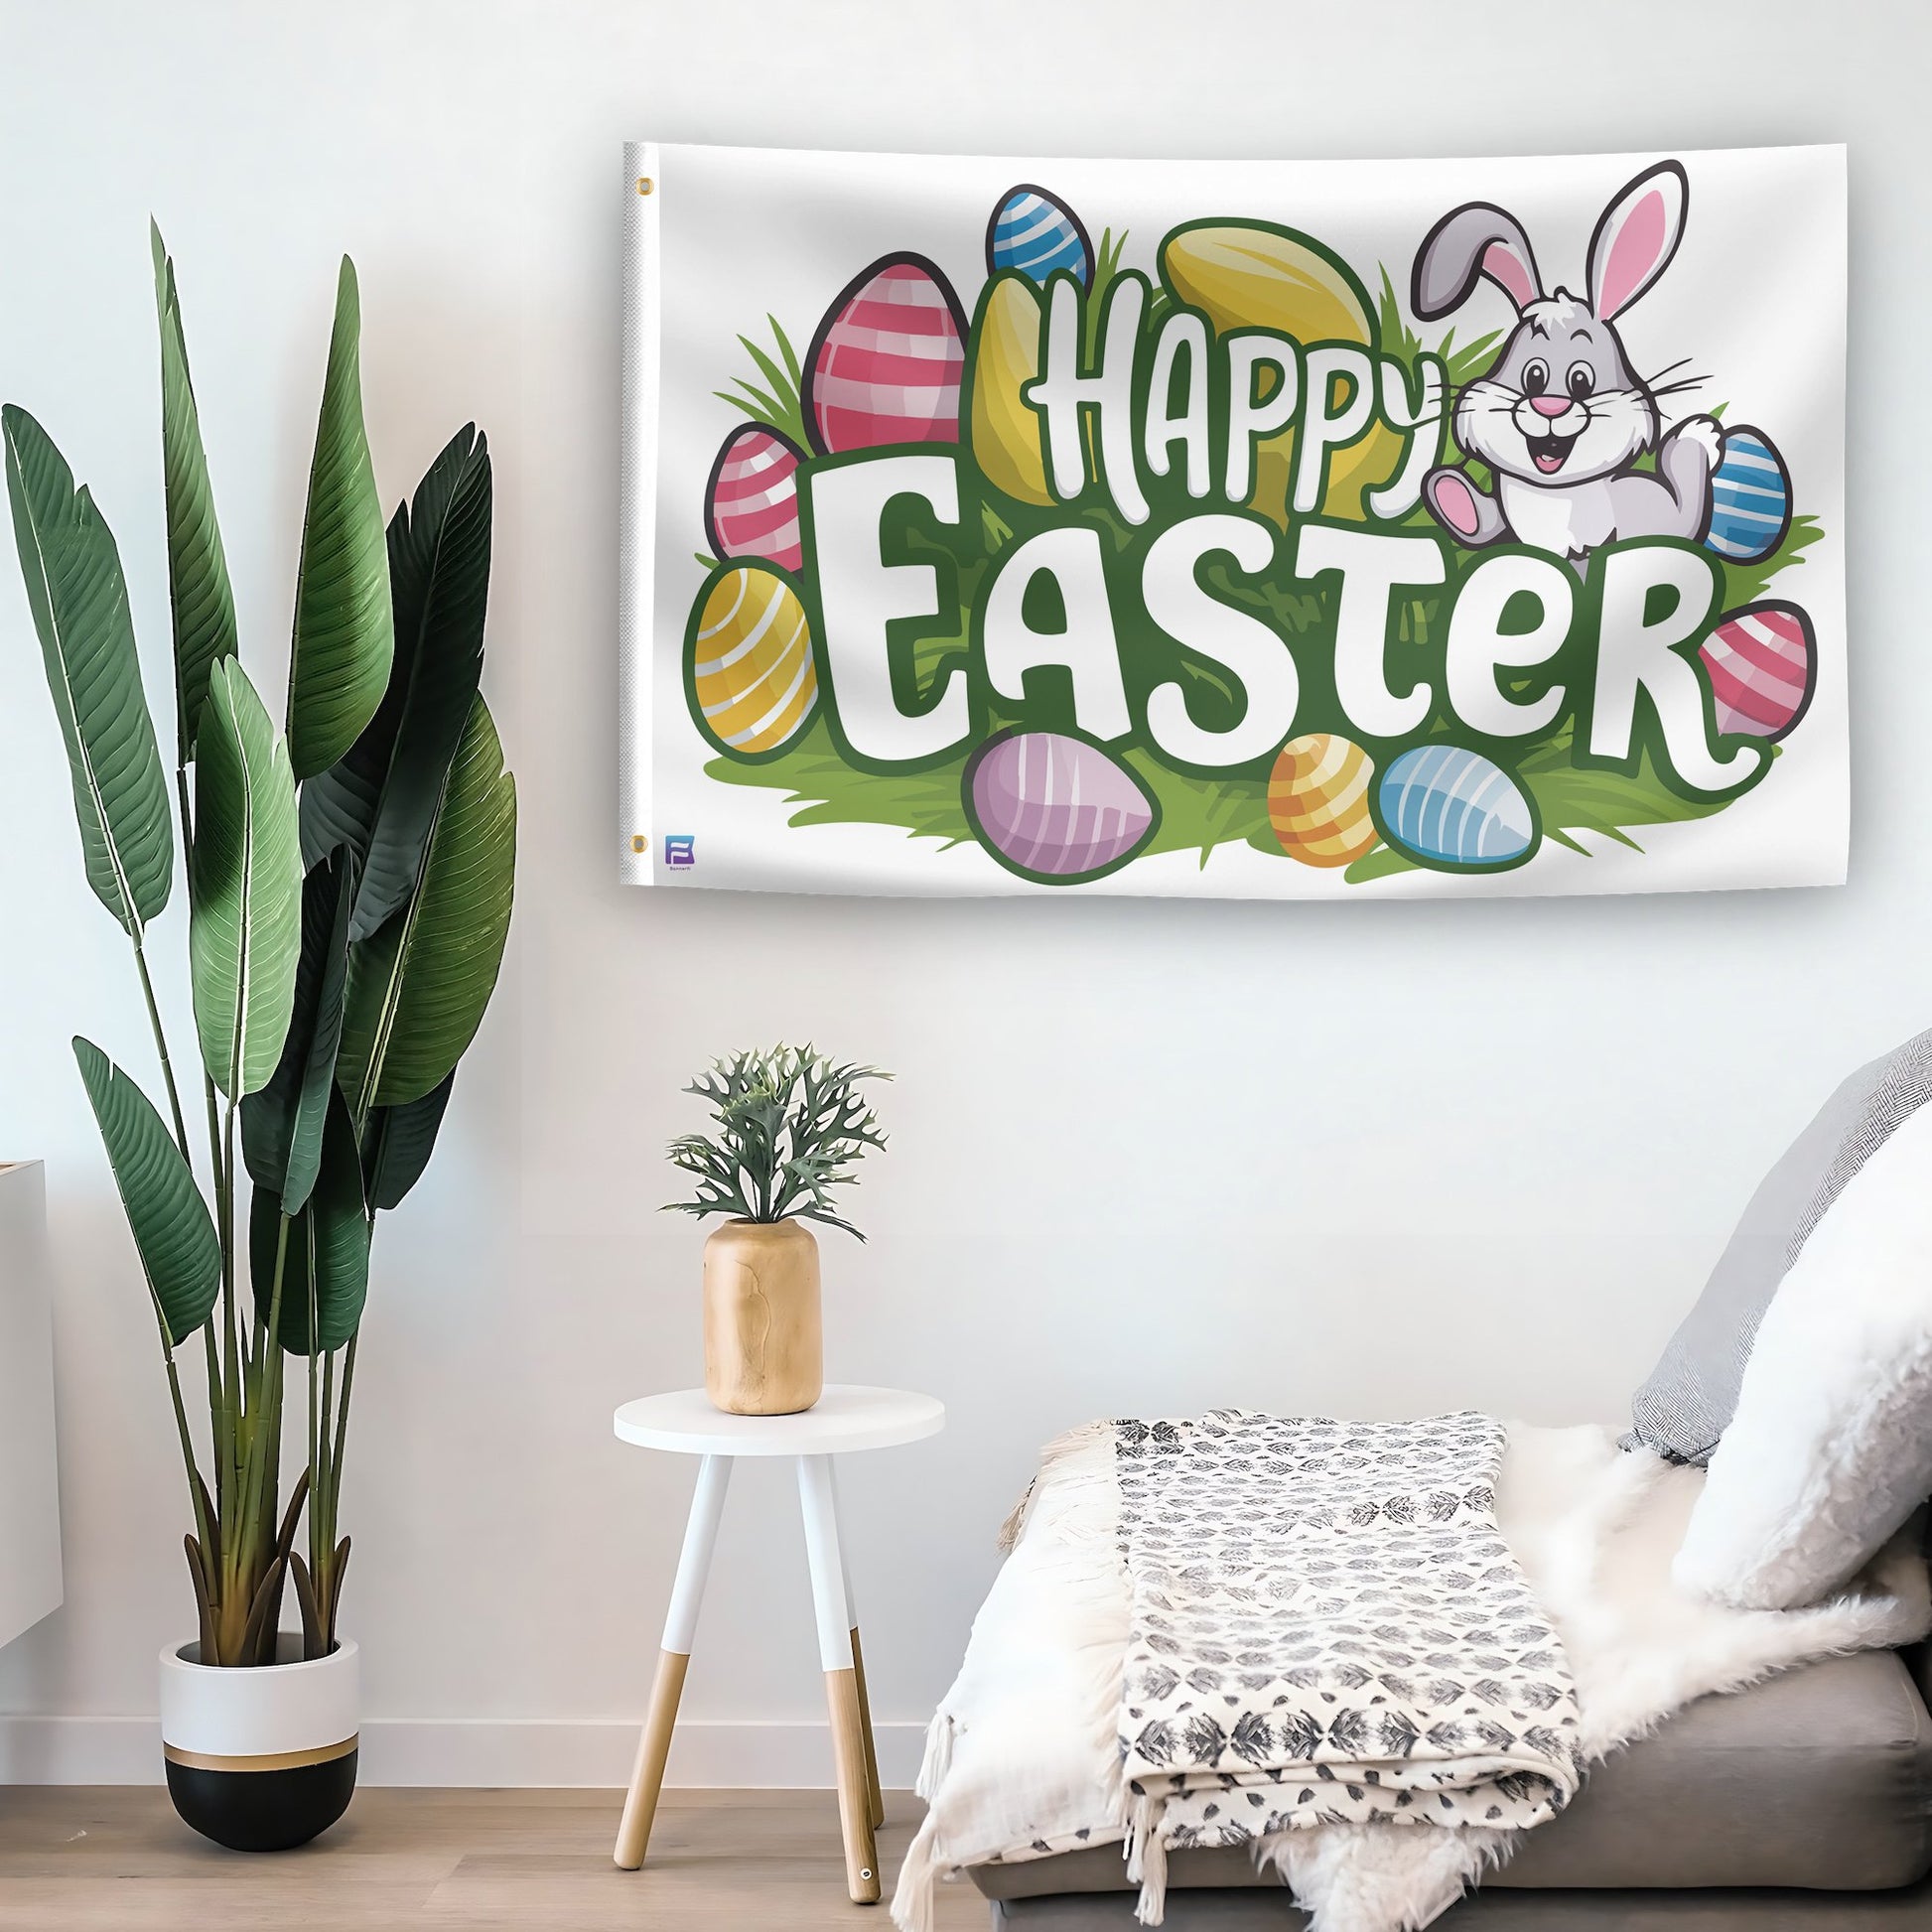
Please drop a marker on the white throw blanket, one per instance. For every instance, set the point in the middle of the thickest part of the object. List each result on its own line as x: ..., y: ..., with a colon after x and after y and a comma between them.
x: 1024, y: 1757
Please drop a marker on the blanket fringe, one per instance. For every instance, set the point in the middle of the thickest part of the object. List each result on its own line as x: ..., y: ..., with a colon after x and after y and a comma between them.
x: 1055, y: 1452
x: 938, y: 1756
x: 912, y: 1900
x: 1147, y: 1857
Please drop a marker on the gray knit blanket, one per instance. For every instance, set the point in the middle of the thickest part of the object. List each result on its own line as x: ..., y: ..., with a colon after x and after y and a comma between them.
x: 1327, y: 1627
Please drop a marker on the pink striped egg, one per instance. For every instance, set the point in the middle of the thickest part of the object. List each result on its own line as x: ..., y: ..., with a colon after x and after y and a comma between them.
x: 1054, y: 808
x: 1762, y: 661
x: 885, y: 363
x: 750, y: 506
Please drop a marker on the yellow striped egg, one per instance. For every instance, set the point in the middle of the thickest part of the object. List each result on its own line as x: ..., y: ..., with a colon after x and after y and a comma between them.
x: 752, y: 675
x: 1245, y: 275
x: 1317, y: 800
x: 1006, y: 356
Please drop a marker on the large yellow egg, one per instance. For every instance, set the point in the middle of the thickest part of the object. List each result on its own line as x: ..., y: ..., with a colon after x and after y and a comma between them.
x: 1243, y: 275
x: 1006, y: 354
x: 752, y: 678
x: 1317, y: 800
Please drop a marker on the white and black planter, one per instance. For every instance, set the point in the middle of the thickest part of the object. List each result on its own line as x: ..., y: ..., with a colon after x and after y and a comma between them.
x: 262, y: 1759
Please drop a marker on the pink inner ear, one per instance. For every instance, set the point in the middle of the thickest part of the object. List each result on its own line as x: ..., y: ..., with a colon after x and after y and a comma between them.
x: 1633, y: 254
x: 1501, y: 263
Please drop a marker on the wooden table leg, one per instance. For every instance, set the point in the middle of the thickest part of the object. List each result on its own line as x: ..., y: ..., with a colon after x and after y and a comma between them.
x: 680, y: 1627
x: 820, y: 1511
x: 877, y: 1796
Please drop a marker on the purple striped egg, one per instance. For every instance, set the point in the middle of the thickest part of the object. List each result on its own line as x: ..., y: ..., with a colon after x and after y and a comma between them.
x: 1054, y: 808
x: 751, y: 499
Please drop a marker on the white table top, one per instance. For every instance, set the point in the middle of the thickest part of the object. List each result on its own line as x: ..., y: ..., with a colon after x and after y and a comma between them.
x: 845, y: 1417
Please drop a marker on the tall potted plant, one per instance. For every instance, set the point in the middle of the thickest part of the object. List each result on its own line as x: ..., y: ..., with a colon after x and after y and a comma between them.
x: 349, y: 880
x: 790, y: 1126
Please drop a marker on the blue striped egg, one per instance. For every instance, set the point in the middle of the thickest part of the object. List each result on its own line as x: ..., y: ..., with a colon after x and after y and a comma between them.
x: 1750, y: 498
x: 1031, y: 233
x: 1445, y: 806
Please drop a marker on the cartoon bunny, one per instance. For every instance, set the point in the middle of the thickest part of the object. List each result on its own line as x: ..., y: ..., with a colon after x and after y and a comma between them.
x: 1561, y: 417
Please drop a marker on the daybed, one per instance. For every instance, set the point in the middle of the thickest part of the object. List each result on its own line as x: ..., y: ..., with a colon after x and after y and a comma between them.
x: 1801, y: 1805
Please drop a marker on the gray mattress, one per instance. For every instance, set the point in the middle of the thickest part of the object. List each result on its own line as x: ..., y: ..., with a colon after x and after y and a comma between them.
x: 1804, y: 1802
x: 1505, y: 1911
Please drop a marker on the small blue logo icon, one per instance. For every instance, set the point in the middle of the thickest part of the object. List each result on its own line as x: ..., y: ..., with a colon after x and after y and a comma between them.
x: 680, y: 851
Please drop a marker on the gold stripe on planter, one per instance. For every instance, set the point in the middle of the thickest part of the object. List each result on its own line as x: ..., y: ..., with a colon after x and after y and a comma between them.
x: 267, y: 1762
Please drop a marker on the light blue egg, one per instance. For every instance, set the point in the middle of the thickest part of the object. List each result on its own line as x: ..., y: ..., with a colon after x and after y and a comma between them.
x: 1750, y: 498
x: 1451, y: 807
x: 1031, y: 231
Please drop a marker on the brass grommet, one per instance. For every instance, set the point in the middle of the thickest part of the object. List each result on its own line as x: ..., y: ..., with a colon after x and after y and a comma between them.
x: 644, y: 184
x: 638, y: 843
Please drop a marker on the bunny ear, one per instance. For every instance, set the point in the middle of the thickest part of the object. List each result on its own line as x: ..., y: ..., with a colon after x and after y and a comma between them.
x: 1636, y: 239
x: 1470, y: 241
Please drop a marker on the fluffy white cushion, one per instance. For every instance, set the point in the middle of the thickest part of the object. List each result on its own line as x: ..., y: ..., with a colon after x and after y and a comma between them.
x: 1830, y: 1448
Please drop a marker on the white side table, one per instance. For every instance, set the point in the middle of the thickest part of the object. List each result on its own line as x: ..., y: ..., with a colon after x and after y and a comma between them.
x: 845, y: 1419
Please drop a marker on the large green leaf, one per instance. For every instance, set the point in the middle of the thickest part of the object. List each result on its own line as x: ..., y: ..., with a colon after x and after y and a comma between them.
x: 197, y: 570
x: 417, y: 989
x: 380, y: 797
x: 244, y: 933
x: 173, y: 1232
x: 398, y: 1143
x: 281, y: 1126
x: 79, y: 598
x: 344, y: 631
x: 326, y: 1264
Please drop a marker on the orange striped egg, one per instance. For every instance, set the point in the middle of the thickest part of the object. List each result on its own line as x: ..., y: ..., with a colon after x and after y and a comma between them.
x: 1317, y: 800
x: 751, y: 672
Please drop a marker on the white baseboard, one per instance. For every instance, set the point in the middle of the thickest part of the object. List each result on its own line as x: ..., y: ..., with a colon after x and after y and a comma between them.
x: 480, y: 1753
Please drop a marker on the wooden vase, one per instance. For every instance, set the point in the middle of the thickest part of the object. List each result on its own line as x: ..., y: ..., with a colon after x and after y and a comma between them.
x: 763, y: 1344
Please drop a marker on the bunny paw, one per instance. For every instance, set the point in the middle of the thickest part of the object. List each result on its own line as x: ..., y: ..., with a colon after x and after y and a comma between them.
x: 1461, y: 509
x: 1703, y: 433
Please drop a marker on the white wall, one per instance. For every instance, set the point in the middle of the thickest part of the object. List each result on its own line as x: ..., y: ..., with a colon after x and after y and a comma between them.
x: 1149, y: 1157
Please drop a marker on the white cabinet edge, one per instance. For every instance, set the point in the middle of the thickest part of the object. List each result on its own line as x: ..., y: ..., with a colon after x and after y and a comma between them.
x: 30, y: 1500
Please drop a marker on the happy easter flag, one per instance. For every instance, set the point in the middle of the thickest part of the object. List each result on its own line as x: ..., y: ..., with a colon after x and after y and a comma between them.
x: 1233, y: 529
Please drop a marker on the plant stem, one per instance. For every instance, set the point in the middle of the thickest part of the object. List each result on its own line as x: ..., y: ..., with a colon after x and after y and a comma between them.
x: 235, y: 1417
x: 191, y: 1468
x: 342, y: 1412
x: 186, y: 814
x: 267, y: 1413
x: 220, y: 1395
x: 186, y: 1449
x: 326, y: 1540
x: 160, y: 1048
x: 230, y: 1349
x: 317, y: 1433
x: 322, y: 1518
x: 244, y: 1570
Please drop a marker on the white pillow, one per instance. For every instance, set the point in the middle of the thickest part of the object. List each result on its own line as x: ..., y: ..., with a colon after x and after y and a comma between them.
x: 1830, y: 1448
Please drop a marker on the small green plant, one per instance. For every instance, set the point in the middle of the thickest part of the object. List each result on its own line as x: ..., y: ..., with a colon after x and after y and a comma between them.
x: 790, y: 1127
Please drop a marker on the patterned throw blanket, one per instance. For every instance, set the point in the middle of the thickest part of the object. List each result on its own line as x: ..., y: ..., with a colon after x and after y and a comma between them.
x: 1326, y: 1626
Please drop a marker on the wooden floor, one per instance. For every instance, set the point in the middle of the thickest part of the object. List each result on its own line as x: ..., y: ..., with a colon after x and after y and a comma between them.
x: 117, y: 1859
